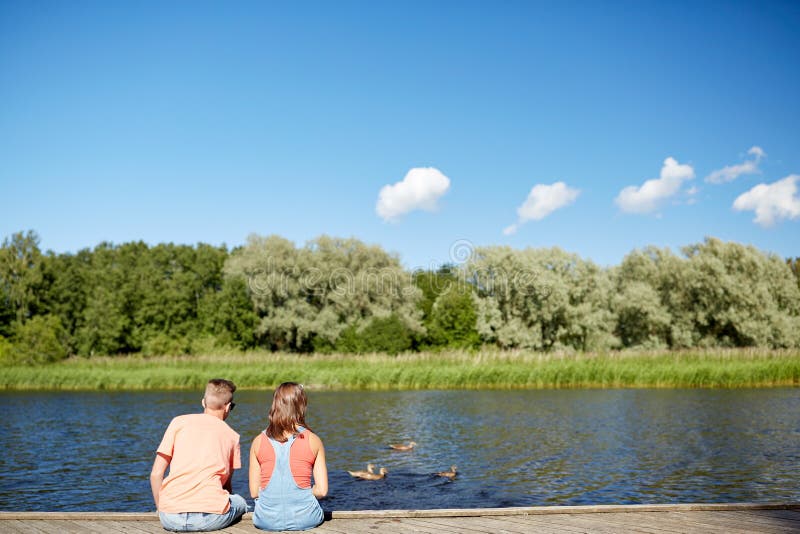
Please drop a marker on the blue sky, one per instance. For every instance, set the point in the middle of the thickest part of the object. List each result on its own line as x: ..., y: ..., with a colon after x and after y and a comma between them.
x: 207, y: 121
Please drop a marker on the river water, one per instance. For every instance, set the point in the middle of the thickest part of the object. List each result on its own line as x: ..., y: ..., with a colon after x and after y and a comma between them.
x: 93, y: 451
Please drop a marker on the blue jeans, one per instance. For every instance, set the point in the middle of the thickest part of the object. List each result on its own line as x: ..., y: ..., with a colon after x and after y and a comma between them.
x: 202, y: 522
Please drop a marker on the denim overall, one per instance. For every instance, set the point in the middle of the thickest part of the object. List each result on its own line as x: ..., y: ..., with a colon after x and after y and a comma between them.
x: 283, y: 505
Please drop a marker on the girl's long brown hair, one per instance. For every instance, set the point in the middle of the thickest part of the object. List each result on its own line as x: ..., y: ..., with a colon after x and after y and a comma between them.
x: 288, y: 411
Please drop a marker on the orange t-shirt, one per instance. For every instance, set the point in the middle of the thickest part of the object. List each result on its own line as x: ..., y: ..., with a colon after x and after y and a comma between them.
x: 204, y: 451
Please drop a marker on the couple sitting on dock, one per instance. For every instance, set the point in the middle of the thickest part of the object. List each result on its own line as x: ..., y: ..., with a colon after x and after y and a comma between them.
x: 202, y: 451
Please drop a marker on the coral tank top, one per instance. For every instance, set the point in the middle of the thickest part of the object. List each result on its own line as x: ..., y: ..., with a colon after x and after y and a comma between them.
x: 301, y: 459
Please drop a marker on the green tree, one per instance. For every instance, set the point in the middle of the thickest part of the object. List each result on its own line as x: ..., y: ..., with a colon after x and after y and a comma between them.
x: 739, y: 296
x: 642, y: 299
x: 641, y: 318
x: 39, y: 340
x: 174, y: 281
x: 453, y: 319
x: 7, y: 314
x: 718, y: 294
x: 382, y: 334
x: 153, y: 298
x: 65, y: 292
x: 542, y: 299
x: 432, y: 284
x: 794, y: 266
x: 107, y: 325
x: 6, y: 351
x: 228, y: 315
x: 448, y: 309
x: 20, y: 276
x: 306, y: 297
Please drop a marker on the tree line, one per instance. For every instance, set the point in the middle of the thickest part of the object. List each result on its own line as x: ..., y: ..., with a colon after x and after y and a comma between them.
x: 342, y: 295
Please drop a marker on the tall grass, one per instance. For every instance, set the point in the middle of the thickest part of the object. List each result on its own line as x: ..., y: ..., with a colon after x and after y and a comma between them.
x: 433, y: 370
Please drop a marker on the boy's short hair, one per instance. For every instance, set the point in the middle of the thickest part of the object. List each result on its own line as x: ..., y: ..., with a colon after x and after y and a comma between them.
x: 219, y: 392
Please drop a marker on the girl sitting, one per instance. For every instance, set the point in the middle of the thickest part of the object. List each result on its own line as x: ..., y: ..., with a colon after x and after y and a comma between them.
x: 282, y: 461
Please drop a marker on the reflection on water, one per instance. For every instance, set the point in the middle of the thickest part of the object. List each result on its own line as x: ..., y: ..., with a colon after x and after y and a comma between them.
x: 93, y: 451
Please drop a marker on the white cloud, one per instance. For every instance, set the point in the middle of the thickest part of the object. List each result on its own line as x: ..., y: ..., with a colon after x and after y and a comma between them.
x: 541, y: 202
x: 771, y: 202
x: 647, y: 197
x: 692, y: 194
x: 732, y: 172
x: 419, y: 190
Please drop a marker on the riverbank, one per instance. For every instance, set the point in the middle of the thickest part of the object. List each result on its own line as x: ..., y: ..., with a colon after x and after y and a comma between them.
x: 433, y: 370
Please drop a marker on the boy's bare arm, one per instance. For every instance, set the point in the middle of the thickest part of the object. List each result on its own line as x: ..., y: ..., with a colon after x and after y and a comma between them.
x: 157, y: 475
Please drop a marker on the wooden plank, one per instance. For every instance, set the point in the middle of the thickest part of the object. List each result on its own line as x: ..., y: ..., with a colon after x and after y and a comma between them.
x: 513, y: 524
x: 738, y: 521
x: 665, y: 522
x: 652, y: 519
x: 104, y: 527
x: 683, y: 527
x: 447, y: 512
x: 791, y: 515
x: 450, y: 524
x: 125, y: 527
x: 89, y: 516
x: 648, y: 522
x: 563, y: 521
x: 151, y: 527
x: 344, y: 526
x: 92, y: 526
x: 373, y: 525
x: 597, y: 522
x: 65, y: 527
x: 706, y: 520
x: 13, y: 526
x: 685, y: 522
x: 367, y: 525
x: 398, y: 524
x: 679, y: 521
x: 336, y: 526
x: 652, y: 522
x: 241, y: 527
x: 498, y: 524
x: 475, y: 512
x: 540, y: 522
x: 332, y: 529
x: 674, y: 521
x: 583, y: 522
x: 22, y: 527
x: 430, y: 525
x: 45, y: 527
x: 592, y: 522
x: 760, y: 518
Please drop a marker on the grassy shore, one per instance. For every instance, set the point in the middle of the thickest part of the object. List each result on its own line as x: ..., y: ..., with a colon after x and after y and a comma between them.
x: 443, y: 370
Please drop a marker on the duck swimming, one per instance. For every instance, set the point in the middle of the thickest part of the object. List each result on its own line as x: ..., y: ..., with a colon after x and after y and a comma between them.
x: 449, y: 474
x: 370, y: 471
x: 404, y: 447
x: 366, y: 475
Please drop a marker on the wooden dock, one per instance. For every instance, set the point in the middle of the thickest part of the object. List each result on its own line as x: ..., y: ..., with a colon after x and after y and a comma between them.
x: 654, y: 519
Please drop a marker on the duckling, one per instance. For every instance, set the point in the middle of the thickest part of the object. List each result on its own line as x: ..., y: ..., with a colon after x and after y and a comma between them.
x: 449, y: 474
x: 404, y: 447
x: 370, y: 471
x: 370, y: 476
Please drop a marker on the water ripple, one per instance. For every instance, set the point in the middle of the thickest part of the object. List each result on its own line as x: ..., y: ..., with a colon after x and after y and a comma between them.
x: 93, y: 451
